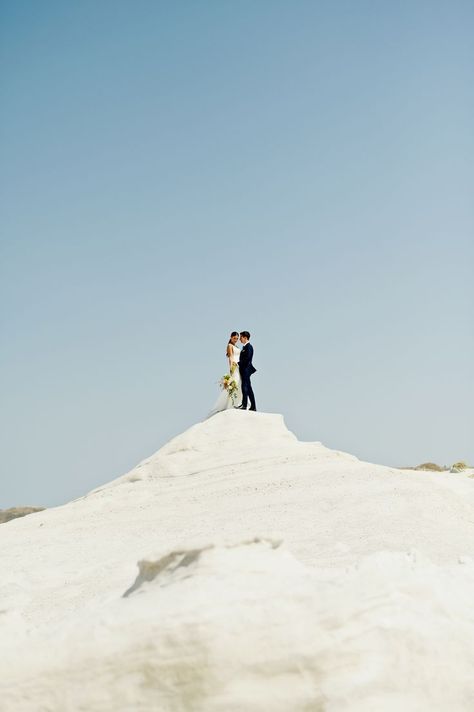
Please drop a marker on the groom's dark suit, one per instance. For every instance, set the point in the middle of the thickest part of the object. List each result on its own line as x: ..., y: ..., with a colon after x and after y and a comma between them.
x: 246, y: 369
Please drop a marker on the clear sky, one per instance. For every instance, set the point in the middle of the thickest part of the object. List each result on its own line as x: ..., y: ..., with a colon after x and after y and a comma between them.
x: 173, y: 171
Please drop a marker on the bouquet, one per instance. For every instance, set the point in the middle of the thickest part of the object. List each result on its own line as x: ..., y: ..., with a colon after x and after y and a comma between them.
x: 229, y: 384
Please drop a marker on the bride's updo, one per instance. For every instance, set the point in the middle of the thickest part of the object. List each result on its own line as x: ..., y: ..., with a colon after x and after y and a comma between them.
x: 234, y: 333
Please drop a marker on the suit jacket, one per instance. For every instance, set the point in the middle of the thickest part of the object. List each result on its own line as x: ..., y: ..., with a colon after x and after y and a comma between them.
x: 246, y: 366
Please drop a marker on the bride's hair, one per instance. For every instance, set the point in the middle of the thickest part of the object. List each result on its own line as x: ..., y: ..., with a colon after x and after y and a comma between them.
x: 234, y: 333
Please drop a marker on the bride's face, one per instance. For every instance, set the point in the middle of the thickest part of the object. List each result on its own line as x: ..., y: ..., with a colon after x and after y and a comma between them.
x: 234, y: 339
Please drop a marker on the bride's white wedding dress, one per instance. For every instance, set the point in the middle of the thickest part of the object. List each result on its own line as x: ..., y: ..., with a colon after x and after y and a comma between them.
x: 225, y: 401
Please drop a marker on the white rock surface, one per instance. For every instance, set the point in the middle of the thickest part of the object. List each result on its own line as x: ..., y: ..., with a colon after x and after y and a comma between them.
x: 274, y: 575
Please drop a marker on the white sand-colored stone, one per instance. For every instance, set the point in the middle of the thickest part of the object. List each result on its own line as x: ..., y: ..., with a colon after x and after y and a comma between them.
x: 238, y: 569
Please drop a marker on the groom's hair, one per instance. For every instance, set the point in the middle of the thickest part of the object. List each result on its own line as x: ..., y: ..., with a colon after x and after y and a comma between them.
x: 246, y: 334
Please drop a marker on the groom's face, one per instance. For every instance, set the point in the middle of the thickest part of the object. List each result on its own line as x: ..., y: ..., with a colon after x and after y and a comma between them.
x: 243, y: 339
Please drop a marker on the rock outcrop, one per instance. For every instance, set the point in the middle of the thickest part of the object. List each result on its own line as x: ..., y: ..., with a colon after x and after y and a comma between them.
x: 273, y: 575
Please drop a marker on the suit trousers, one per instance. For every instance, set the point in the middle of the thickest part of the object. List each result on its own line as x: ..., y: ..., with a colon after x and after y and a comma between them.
x: 247, y: 391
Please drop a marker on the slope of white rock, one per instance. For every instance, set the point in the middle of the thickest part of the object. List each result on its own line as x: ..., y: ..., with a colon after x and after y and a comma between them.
x: 240, y: 569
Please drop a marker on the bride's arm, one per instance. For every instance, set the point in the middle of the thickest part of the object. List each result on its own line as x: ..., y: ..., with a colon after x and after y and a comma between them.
x: 230, y: 355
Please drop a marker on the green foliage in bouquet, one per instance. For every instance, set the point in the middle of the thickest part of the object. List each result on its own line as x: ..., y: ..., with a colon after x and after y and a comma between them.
x: 229, y: 384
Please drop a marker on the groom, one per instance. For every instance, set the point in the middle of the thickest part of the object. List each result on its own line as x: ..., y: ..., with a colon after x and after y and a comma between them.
x: 246, y: 369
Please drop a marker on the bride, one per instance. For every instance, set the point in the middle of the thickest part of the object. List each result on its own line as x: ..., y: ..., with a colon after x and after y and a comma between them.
x: 233, y: 355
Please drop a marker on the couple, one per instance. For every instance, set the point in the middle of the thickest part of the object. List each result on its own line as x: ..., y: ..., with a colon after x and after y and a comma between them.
x: 240, y: 370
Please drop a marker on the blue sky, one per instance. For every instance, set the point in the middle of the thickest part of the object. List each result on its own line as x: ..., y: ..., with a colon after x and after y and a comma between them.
x: 174, y: 171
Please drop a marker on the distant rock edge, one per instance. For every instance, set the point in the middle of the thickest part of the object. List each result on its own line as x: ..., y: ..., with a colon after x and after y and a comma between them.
x: 14, y: 512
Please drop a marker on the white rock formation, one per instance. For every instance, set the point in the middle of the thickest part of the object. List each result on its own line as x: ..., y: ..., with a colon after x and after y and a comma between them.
x: 273, y: 575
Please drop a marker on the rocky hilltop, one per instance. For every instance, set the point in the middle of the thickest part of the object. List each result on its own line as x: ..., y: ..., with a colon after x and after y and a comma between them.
x: 238, y: 569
